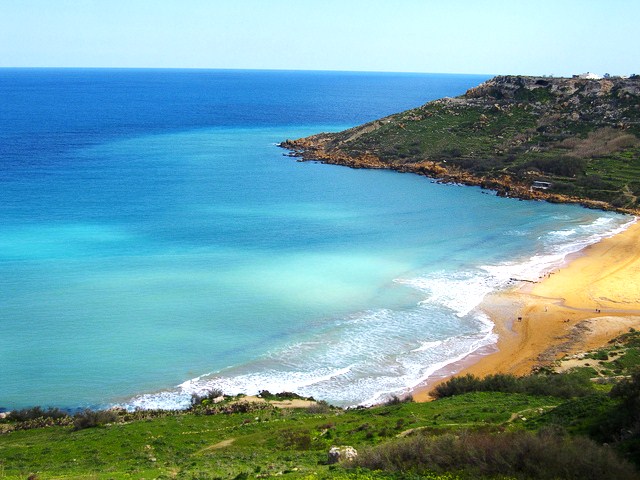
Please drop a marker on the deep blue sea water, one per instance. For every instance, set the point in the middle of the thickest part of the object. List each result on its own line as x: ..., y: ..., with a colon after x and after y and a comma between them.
x: 154, y: 241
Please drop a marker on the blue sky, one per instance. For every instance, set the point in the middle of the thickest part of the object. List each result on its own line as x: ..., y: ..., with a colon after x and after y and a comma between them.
x: 536, y: 37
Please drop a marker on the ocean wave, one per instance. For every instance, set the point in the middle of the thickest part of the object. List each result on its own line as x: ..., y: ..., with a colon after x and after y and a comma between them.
x: 459, y: 292
x: 427, y: 346
x: 360, y: 361
x: 558, y: 245
x: 364, y: 357
x: 564, y: 233
x: 516, y: 233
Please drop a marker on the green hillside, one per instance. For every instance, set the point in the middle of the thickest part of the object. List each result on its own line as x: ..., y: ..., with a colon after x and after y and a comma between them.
x: 582, y: 136
x: 542, y: 426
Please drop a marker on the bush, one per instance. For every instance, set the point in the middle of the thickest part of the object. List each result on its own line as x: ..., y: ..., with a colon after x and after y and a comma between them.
x: 457, y: 386
x: 320, y: 407
x: 36, y: 412
x: 568, y: 385
x: 546, y: 455
x: 35, y: 417
x: 296, y: 440
x: 582, y: 415
x: 563, y: 166
x: 623, y: 423
x: 555, y: 385
x: 628, y: 390
x: 206, y: 397
x: 93, y: 418
x: 500, y: 383
x: 594, y: 182
x: 267, y: 395
x: 565, y: 188
x: 396, y: 400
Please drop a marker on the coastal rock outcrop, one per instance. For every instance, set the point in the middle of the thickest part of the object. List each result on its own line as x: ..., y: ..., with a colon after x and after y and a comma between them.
x: 559, y: 139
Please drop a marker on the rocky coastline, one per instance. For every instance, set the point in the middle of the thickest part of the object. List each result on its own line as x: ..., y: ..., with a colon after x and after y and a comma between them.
x: 507, y: 135
x: 314, y: 149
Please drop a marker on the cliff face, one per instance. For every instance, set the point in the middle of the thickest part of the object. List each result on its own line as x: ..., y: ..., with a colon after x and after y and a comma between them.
x: 512, y: 86
x: 572, y: 140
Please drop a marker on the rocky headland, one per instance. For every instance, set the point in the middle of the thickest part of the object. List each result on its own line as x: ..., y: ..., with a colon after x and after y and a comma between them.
x: 573, y: 140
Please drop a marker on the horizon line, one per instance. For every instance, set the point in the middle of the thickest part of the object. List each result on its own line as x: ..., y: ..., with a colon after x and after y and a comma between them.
x: 6, y: 67
x: 238, y: 69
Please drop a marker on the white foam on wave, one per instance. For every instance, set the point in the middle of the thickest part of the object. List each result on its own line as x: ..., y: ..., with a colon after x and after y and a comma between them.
x: 276, y: 381
x: 563, y: 233
x: 558, y: 247
x: 449, y: 351
x: 427, y: 346
x: 367, y: 356
x: 248, y: 384
x: 373, y: 355
x: 460, y: 292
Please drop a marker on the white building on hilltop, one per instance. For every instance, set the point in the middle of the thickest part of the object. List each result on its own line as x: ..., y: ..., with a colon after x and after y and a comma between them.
x: 588, y: 76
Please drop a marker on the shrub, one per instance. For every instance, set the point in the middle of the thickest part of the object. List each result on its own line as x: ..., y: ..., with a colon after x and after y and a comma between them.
x: 205, y: 397
x: 267, y: 395
x: 296, y: 440
x: 320, y: 407
x: 457, y: 386
x: 563, y: 166
x: 563, y: 187
x: 291, y: 396
x: 623, y: 423
x: 628, y: 390
x: 35, y: 417
x: 563, y: 386
x: 36, y: 412
x: 582, y: 415
x: 500, y: 383
x: 540, y: 94
x: 396, y: 400
x: 594, y: 182
x: 566, y: 385
x: 546, y: 455
x: 93, y: 418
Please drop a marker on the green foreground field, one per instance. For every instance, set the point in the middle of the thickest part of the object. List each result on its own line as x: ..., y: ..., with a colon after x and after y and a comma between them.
x: 270, y: 441
x: 237, y: 439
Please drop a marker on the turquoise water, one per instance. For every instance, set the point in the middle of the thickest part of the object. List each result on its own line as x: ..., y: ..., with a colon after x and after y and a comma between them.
x: 139, y: 265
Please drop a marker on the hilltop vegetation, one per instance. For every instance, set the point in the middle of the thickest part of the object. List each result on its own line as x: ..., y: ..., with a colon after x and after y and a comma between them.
x: 582, y: 136
x: 543, y: 426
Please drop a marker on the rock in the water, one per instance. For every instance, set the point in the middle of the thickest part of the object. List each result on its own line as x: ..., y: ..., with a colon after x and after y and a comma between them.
x: 341, y: 454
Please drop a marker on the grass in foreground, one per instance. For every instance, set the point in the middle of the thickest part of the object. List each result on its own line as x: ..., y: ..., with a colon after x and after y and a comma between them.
x: 514, y: 433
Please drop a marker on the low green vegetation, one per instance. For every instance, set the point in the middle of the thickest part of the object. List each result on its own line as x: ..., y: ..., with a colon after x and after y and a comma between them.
x: 569, y: 385
x: 517, y: 454
x: 543, y: 426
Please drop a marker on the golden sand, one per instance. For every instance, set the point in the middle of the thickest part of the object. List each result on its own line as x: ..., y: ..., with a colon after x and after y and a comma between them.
x: 590, y: 300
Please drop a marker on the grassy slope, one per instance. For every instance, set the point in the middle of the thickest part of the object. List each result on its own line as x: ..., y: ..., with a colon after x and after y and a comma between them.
x: 268, y: 441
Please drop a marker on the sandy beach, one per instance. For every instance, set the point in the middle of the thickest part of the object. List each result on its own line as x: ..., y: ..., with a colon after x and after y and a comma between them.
x: 591, y: 299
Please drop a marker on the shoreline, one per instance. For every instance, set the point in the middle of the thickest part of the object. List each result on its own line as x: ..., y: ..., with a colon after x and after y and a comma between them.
x: 590, y: 299
x: 315, y: 149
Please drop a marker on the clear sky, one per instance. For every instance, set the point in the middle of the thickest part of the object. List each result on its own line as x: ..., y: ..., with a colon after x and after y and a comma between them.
x: 536, y: 37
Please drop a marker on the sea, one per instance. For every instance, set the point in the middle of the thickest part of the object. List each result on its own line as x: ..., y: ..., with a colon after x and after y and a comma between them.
x: 156, y: 242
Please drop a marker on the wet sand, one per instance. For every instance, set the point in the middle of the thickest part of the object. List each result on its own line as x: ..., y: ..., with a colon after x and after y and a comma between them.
x: 593, y: 298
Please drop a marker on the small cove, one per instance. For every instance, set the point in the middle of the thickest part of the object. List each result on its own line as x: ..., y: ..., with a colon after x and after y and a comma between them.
x: 169, y: 246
